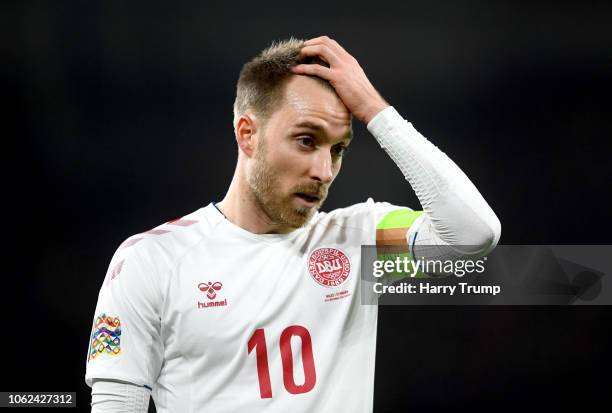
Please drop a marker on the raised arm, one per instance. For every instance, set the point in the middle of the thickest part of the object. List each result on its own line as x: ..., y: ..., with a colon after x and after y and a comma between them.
x: 455, y: 213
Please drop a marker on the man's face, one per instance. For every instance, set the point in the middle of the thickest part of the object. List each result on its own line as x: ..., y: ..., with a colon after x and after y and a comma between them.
x: 299, y: 152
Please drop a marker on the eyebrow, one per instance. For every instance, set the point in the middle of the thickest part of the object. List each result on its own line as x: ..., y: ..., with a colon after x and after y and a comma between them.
x: 317, y: 127
x: 311, y: 125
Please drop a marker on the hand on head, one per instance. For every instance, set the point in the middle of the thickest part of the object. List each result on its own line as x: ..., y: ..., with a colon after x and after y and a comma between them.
x: 345, y: 75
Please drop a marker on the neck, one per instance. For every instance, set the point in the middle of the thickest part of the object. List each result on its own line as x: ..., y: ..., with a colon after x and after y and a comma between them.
x: 242, y: 209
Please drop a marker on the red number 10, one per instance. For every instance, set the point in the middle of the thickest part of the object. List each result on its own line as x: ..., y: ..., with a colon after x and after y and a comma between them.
x: 258, y: 342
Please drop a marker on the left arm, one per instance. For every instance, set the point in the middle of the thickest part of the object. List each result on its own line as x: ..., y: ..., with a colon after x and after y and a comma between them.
x: 456, y: 215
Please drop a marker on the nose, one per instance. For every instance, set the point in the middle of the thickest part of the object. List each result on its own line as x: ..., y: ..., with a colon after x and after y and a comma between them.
x: 321, y: 168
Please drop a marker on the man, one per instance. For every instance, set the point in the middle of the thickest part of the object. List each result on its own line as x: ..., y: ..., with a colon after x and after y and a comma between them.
x: 252, y: 304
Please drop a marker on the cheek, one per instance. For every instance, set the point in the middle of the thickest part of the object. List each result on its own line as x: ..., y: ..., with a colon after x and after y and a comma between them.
x: 290, y: 161
x: 286, y: 167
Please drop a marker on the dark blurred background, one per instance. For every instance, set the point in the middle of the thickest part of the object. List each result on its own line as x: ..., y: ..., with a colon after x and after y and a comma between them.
x: 119, y: 118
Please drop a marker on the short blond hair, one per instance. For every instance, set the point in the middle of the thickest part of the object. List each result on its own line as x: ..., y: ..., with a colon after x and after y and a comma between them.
x: 261, y: 83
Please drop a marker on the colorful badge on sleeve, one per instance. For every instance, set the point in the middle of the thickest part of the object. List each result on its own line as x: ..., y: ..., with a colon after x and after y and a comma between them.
x: 105, y: 337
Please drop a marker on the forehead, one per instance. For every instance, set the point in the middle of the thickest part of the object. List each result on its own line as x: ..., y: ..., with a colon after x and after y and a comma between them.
x: 308, y: 102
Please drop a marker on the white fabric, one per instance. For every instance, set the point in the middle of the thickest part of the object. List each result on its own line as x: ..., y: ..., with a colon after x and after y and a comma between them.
x: 456, y: 214
x: 111, y: 396
x: 196, y: 356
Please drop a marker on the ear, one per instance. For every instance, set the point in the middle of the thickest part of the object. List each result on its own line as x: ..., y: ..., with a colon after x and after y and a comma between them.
x: 246, y: 131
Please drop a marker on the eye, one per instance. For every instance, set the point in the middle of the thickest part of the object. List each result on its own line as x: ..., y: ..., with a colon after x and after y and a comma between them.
x: 306, y: 141
x: 339, y: 150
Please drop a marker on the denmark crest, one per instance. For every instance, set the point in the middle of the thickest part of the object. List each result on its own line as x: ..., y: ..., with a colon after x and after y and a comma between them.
x: 329, y: 266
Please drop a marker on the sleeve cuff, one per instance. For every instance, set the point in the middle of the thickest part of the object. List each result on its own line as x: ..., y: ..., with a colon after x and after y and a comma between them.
x: 384, y: 121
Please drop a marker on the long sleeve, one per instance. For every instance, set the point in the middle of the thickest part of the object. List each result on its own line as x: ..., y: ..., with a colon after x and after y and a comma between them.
x: 456, y: 218
x: 112, y: 396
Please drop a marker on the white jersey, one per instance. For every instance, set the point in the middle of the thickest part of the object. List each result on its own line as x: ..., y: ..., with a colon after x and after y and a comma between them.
x: 215, y: 318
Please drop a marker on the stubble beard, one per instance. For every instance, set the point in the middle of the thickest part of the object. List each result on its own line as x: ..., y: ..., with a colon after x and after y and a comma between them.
x: 264, y: 182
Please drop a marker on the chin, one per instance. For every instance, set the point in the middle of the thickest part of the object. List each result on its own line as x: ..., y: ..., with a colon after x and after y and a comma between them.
x: 298, y: 217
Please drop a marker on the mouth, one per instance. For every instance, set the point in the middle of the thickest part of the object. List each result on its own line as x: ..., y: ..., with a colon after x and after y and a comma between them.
x: 308, y: 200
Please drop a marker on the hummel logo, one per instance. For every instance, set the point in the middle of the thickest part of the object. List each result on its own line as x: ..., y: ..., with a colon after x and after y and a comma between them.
x: 211, y: 288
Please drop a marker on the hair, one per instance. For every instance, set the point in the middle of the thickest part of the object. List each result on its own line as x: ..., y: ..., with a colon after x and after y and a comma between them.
x: 262, y: 80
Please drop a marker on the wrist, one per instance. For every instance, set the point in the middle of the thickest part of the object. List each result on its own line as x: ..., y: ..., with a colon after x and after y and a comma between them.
x: 374, y: 109
x: 385, y: 120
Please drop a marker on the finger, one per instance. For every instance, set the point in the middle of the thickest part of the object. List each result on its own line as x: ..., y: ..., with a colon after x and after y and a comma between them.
x: 313, y: 70
x: 329, y: 42
x: 319, y: 40
x: 322, y: 51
